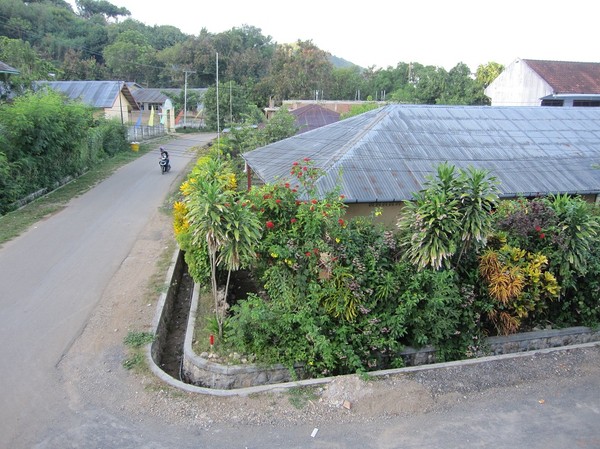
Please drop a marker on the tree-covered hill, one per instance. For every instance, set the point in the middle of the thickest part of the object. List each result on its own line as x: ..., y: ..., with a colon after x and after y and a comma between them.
x: 47, y: 38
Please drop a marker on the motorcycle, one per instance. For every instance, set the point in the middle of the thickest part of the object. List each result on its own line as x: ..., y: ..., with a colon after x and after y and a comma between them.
x: 165, y: 166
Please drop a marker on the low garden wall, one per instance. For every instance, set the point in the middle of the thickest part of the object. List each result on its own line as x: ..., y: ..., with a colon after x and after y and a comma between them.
x: 202, y: 371
x: 510, y: 344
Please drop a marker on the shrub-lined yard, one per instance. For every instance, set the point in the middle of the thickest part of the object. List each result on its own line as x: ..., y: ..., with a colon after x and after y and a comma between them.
x: 345, y: 295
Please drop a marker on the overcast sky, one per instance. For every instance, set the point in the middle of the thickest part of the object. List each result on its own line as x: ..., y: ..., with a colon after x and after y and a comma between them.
x: 382, y: 33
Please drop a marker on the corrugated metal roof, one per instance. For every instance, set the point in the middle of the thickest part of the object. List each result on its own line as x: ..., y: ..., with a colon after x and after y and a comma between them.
x: 5, y: 68
x: 568, y: 77
x: 312, y: 116
x: 155, y: 95
x: 384, y: 155
x: 98, y: 94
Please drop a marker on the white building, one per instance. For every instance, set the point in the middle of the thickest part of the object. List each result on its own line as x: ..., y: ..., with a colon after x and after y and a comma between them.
x: 529, y: 82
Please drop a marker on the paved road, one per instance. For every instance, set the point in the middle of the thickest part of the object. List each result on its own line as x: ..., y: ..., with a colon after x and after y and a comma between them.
x: 53, y: 276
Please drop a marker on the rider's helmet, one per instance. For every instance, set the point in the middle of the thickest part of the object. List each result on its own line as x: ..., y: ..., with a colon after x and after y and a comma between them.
x: 162, y: 149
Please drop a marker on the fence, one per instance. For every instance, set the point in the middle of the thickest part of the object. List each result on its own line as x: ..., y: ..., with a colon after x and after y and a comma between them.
x: 140, y: 133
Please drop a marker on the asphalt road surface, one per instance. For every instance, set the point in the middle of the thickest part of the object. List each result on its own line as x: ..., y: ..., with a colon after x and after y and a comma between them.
x: 53, y: 277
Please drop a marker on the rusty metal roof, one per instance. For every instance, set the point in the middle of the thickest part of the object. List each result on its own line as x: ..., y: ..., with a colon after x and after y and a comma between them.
x: 385, y: 154
x: 568, y: 77
x: 312, y: 116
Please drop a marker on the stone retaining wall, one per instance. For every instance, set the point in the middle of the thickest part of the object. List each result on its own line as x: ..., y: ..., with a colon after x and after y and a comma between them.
x: 203, y: 372
x: 166, y: 306
x: 510, y: 344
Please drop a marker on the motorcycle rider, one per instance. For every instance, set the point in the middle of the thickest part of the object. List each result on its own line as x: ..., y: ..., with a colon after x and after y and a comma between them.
x: 164, y: 156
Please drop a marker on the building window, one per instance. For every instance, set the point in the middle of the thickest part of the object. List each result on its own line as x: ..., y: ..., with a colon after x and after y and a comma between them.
x: 586, y: 103
x: 553, y: 102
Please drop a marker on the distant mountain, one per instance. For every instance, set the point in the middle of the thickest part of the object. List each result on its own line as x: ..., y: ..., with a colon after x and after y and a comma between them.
x: 340, y: 63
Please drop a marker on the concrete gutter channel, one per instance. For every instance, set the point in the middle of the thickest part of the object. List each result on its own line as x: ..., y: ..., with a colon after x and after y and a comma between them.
x: 513, y: 346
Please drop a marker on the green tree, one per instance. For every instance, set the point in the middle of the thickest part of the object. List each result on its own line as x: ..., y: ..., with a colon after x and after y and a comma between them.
x: 241, y: 236
x: 244, y: 54
x: 486, y: 73
x: 461, y: 88
x: 233, y: 105
x: 577, y: 232
x: 359, y: 109
x: 382, y: 83
x: 196, y: 54
x: 448, y: 218
x: 193, y: 98
x: 165, y: 36
x: 281, y: 126
x: 44, y: 140
x: 478, y: 197
x: 346, y: 82
x: 23, y: 57
x: 76, y: 67
x: 301, y: 70
x: 129, y: 57
x: 248, y: 136
x: 220, y: 222
x: 89, y: 8
x: 428, y: 81
x: 206, y: 207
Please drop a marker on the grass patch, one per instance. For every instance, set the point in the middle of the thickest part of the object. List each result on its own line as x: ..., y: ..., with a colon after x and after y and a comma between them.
x: 365, y: 376
x: 138, y: 339
x: 300, y: 396
x: 136, y: 362
x: 136, y: 359
x: 16, y: 222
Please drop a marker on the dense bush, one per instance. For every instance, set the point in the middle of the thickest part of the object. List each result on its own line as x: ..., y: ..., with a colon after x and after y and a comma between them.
x: 46, y: 138
x: 562, y: 234
x: 342, y: 295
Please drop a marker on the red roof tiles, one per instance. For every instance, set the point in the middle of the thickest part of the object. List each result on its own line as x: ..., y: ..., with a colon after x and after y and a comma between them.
x: 568, y: 77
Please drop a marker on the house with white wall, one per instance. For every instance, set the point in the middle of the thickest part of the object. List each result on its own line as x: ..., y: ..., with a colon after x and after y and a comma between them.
x: 156, y: 99
x: 531, y: 82
x: 112, y: 99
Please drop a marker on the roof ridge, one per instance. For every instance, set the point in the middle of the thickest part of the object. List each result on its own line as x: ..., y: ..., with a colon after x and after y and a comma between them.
x: 560, y: 61
x: 335, y: 157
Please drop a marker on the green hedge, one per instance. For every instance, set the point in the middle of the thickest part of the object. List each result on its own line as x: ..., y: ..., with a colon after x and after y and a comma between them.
x: 45, y: 139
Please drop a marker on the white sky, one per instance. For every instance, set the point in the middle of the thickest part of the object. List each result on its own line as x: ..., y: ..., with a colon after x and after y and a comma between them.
x: 382, y: 33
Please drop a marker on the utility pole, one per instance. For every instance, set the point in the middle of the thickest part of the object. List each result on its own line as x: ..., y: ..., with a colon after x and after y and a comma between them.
x: 218, y: 124
x: 185, y: 98
x: 120, y: 103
